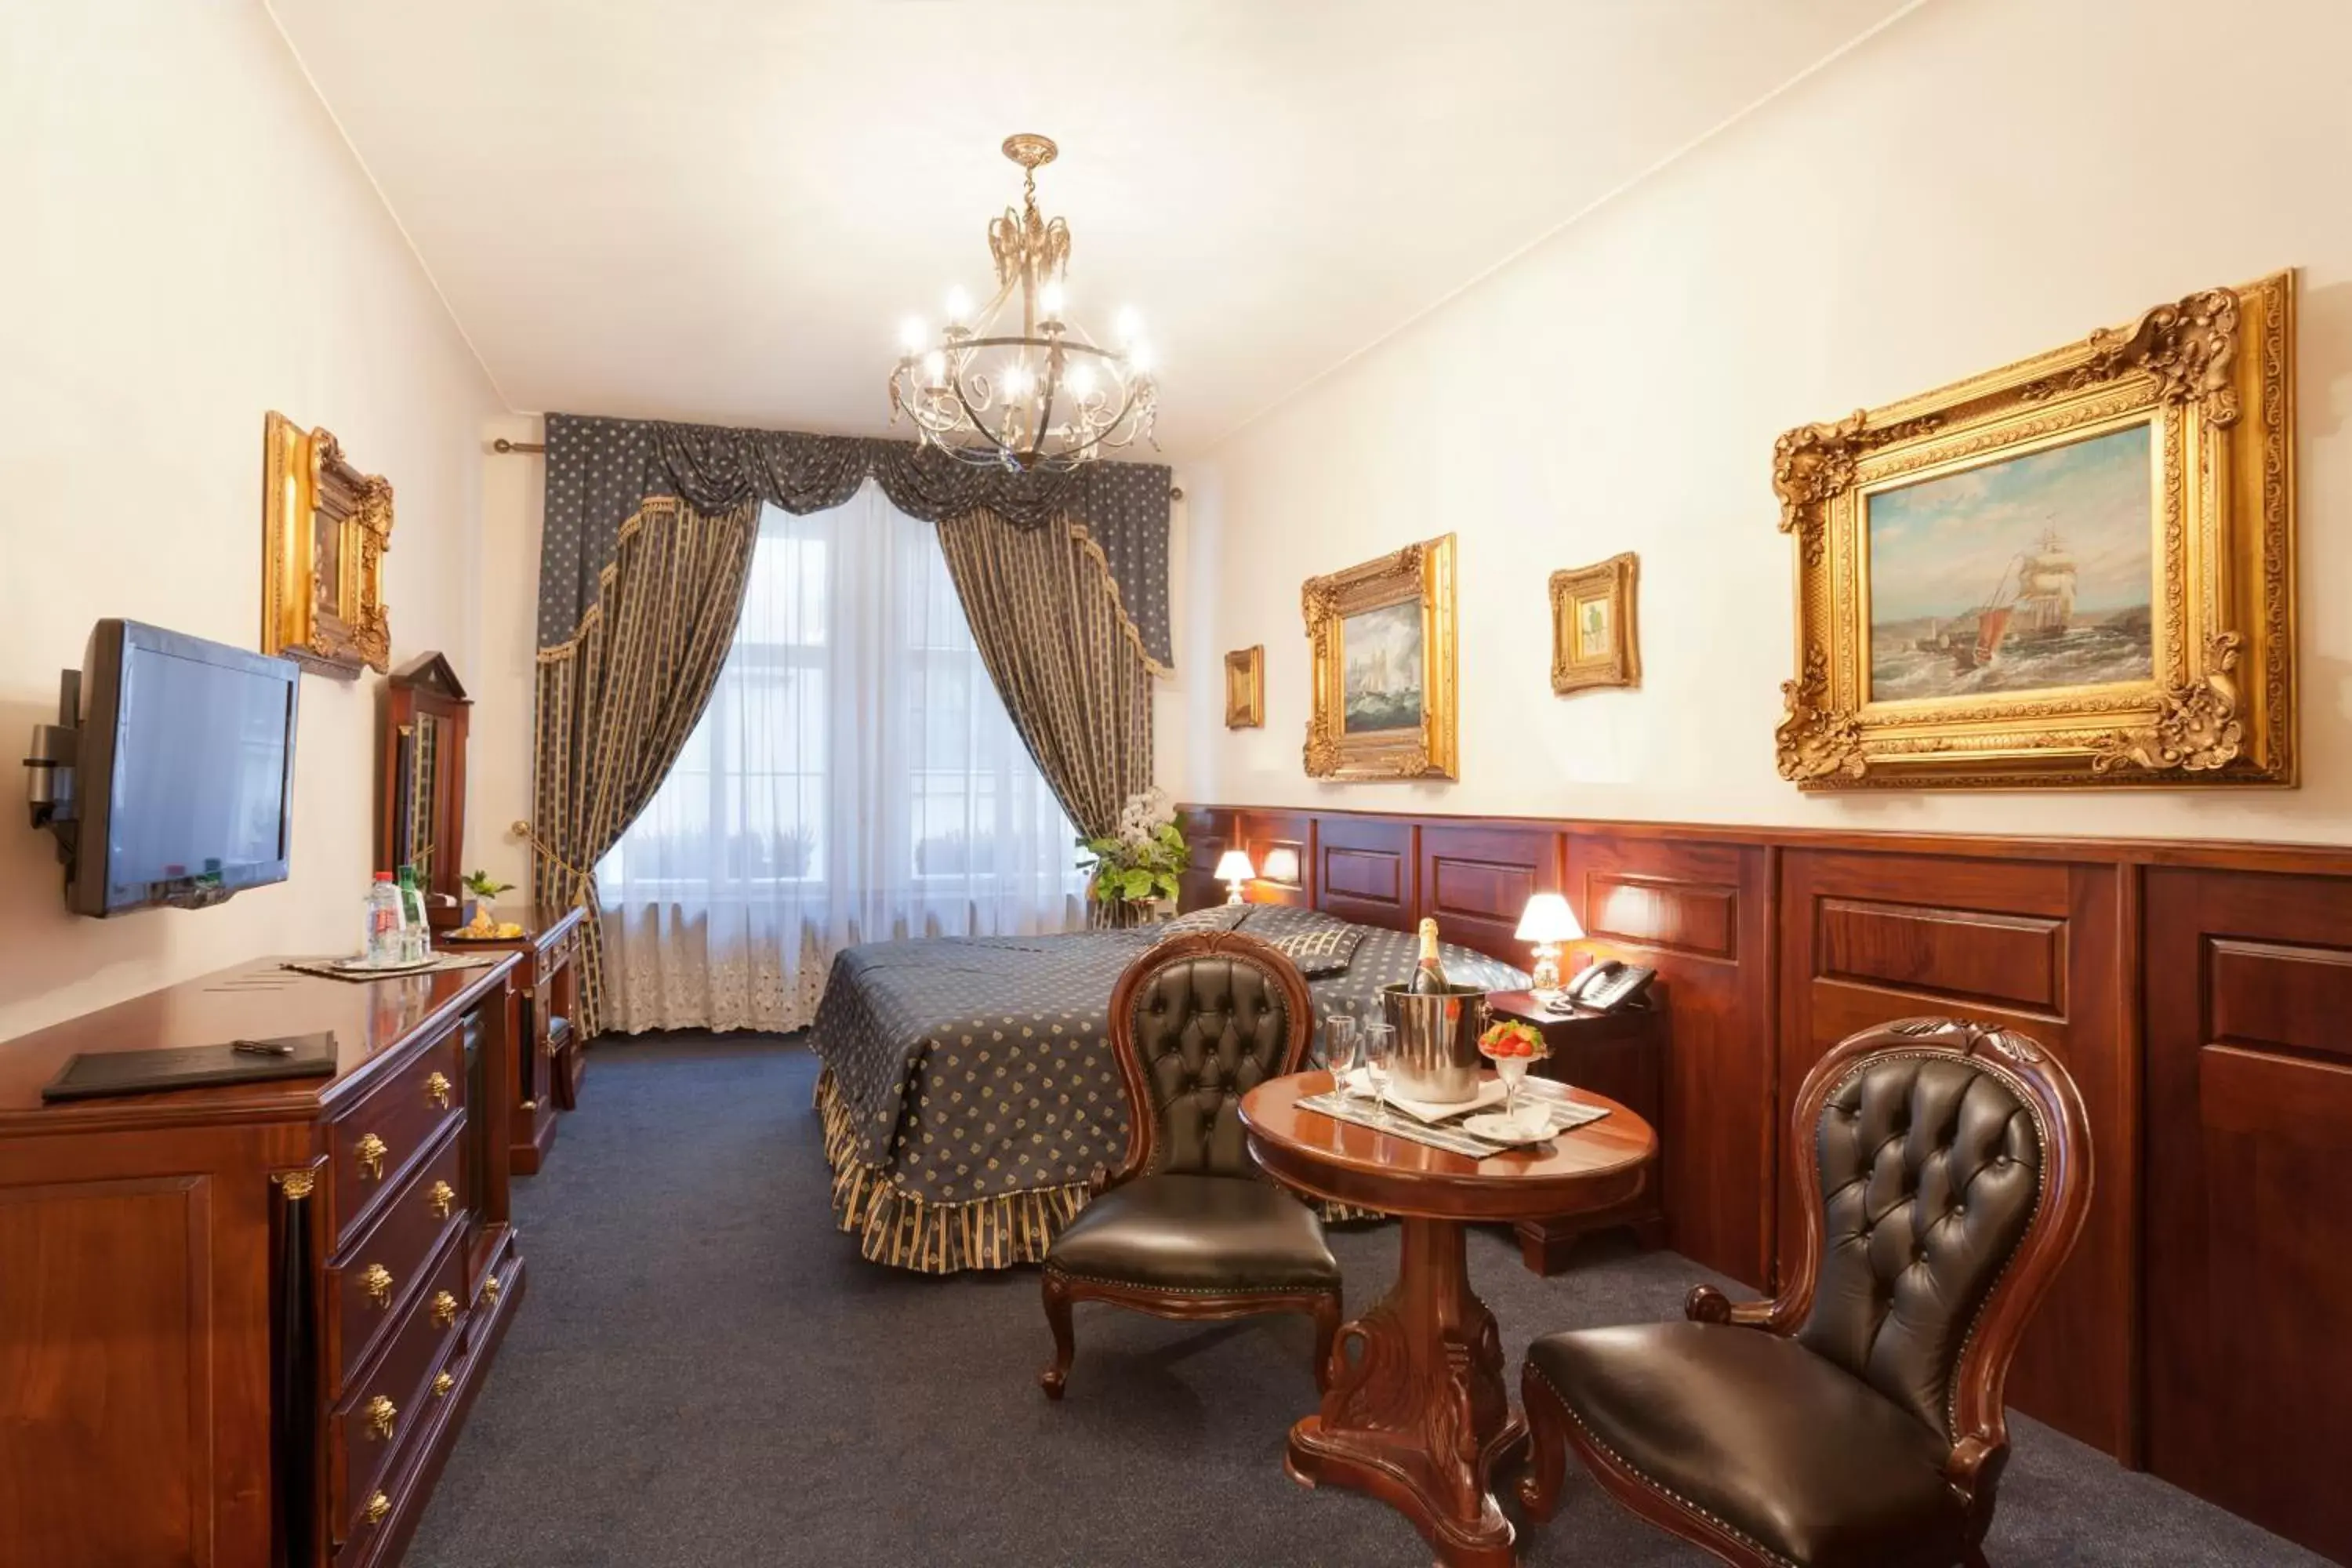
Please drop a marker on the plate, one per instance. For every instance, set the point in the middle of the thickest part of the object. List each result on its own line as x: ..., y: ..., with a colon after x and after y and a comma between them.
x: 1490, y: 1093
x: 1497, y: 1128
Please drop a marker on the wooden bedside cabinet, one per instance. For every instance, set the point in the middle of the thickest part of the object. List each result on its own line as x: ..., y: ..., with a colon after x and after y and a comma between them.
x: 550, y: 1059
x: 1620, y: 1055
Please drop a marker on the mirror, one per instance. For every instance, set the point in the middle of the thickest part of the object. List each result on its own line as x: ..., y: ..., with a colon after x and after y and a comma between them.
x: 422, y: 821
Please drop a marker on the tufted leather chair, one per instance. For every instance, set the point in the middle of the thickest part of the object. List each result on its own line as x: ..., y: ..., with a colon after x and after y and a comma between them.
x: 1856, y: 1421
x: 1186, y: 1228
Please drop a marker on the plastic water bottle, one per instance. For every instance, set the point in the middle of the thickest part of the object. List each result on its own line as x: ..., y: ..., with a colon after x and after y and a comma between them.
x: 383, y: 922
x: 416, y: 937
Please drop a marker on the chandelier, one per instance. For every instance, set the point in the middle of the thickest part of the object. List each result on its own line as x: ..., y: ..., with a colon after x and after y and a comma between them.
x: 1031, y: 391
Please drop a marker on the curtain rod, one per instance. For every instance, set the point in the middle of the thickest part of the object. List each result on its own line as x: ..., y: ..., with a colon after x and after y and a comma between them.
x: 503, y: 445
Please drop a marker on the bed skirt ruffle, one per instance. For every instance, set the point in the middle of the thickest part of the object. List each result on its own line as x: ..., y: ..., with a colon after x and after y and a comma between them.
x: 904, y: 1231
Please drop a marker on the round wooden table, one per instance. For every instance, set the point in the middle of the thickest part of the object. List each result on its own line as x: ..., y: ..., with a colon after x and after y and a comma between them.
x: 1418, y: 1414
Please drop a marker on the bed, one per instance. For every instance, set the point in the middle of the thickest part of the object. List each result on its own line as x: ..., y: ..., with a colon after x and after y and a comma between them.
x: 968, y: 1088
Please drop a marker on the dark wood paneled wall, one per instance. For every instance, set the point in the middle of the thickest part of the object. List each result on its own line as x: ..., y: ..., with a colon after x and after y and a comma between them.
x: 2201, y: 993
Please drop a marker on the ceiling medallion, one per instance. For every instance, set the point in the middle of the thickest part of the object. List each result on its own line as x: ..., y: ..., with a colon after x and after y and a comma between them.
x: 1044, y: 396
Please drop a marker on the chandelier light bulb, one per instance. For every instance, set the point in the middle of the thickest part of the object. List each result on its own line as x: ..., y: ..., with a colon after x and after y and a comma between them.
x: 1016, y: 380
x: 912, y: 334
x: 1139, y: 355
x: 1130, y: 325
x: 1081, y: 381
x: 958, y: 306
x: 935, y: 368
x: 1049, y: 299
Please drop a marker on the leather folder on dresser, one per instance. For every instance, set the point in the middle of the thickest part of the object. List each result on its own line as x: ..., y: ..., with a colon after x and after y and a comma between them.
x: 243, y: 1321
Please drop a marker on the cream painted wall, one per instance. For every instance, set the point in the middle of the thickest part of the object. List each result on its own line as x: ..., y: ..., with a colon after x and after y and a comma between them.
x: 189, y: 243
x: 1979, y: 182
x: 506, y: 671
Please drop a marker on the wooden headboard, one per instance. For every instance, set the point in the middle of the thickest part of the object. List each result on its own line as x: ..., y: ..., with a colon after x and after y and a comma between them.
x: 1473, y: 879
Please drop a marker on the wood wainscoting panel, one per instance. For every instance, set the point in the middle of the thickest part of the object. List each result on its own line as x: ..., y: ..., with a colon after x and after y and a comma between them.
x: 2035, y: 945
x: 1207, y: 832
x: 1366, y: 870
x: 1475, y: 882
x: 2249, y: 1225
x: 1699, y: 914
x: 1279, y: 834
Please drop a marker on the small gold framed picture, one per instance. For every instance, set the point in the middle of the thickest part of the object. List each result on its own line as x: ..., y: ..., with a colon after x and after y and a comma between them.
x: 1246, y: 688
x: 1382, y: 635
x: 324, y: 529
x: 1595, y: 640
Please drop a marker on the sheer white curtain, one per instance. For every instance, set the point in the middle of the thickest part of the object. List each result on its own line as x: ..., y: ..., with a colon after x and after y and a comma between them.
x: 856, y: 779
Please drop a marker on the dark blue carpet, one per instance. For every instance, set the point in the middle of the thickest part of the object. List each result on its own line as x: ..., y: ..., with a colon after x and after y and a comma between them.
x: 704, y: 1373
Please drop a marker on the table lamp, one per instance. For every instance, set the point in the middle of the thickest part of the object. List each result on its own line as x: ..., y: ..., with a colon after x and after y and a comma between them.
x: 1548, y: 921
x: 1233, y: 869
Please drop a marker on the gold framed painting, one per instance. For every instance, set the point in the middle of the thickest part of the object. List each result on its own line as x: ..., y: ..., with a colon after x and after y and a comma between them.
x: 324, y: 529
x: 1382, y: 636
x: 1595, y: 640
x: 2074, y: 570
x: 1246, y: 688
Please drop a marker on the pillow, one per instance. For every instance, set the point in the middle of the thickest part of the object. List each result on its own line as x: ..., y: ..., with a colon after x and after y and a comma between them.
x: 1320, y: 945
x: 1216, y: 917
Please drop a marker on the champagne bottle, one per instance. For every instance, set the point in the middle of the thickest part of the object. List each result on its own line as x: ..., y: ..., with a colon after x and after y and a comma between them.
x: 1429, y: 975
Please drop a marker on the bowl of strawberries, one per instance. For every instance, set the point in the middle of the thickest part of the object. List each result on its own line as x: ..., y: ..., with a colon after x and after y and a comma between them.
x: 1513, y: 1046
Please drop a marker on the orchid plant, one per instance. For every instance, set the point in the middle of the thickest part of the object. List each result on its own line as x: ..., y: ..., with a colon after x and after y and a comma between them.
x: 1142, y: 857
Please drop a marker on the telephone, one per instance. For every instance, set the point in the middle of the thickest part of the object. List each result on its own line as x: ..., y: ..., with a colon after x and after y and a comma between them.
x: 1605, y: 986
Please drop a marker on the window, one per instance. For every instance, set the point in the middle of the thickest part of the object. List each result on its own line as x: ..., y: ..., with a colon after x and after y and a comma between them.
x: 855, y: 778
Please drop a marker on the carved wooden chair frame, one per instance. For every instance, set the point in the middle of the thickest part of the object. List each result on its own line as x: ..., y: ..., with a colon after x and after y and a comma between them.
x: 1063, y: 1290
x: 1979, y: 1422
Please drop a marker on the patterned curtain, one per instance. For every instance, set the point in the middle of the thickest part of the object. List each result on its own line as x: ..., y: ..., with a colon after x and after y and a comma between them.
x: 649, y: 530
x: 1068, y: 661
x: 618, y: 698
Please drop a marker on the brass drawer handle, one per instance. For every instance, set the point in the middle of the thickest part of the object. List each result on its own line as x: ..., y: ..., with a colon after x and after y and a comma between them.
x: 377, y: 1507
x: 442, y: 1197
x: 376, y: 1280
x: 442, y: 1384
x: 371, y: 1151
x: 490, y: 1290
x: 381, y: 1415
x: 444, y: 1309
x: 436, y: 1089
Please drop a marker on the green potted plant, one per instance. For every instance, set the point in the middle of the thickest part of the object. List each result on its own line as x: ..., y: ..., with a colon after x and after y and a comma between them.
x: 1138, y: 863
x: 484, y: 889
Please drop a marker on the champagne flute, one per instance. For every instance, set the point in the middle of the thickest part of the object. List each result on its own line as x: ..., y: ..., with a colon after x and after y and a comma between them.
x: 1339, y: 1051
x: 1377, y: 1038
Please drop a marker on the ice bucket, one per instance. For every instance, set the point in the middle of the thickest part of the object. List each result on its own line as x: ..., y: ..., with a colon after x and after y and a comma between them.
x: 1436, y: 1057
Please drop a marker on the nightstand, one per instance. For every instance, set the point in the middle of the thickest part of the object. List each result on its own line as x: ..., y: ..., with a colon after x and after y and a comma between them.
x: 1622, y: 1055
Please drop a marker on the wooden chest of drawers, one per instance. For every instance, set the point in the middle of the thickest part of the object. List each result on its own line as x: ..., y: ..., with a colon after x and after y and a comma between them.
x: 243, y: 1322
x: 550, y: 1057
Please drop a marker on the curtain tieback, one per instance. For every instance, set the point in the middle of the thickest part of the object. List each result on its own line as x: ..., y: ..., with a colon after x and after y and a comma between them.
x: 583, y: 881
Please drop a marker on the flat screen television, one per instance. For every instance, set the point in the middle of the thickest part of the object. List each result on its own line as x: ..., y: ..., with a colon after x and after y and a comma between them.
x: 184, y: 770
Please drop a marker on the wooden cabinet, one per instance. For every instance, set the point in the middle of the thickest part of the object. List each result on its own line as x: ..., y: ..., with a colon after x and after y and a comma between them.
x: 2249, y: 1233
x: 1619, y: 1056
x: 239, y: 1325
x: 550, y: 1057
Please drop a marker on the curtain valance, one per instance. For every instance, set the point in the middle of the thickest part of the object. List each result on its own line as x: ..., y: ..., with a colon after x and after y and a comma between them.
x: 600, y: 471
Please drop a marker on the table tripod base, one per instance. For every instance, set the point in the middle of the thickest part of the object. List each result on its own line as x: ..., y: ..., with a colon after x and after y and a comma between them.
x: 1418, y: 1414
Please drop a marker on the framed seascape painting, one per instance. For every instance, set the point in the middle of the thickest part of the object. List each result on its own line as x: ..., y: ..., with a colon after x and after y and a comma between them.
x: 2075, y: 570
x: 1594, y: 637
x: 1383, y: 651
x: 1246, y: 688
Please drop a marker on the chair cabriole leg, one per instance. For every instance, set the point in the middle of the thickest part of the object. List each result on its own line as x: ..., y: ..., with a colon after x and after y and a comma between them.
x: 1056, y: 1291
x: 1547, y: 1447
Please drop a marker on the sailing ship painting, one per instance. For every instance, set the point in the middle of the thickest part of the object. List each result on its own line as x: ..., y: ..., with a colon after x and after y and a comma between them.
x: 2029, y: 573
x: 1381, y: 662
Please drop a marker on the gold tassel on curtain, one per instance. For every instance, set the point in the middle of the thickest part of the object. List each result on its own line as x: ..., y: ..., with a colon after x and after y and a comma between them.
x: 617, y: 702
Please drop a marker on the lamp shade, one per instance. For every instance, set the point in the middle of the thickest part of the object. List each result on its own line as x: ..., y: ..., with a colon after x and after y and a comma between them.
x: 1234, y: 866
x: 1548, y: 918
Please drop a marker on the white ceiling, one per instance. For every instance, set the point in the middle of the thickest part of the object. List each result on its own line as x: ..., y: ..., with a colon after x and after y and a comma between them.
x: 722, y: 209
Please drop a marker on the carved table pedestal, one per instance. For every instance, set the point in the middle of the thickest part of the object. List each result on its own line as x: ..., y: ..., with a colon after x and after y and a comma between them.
x: 1418, y: 1414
